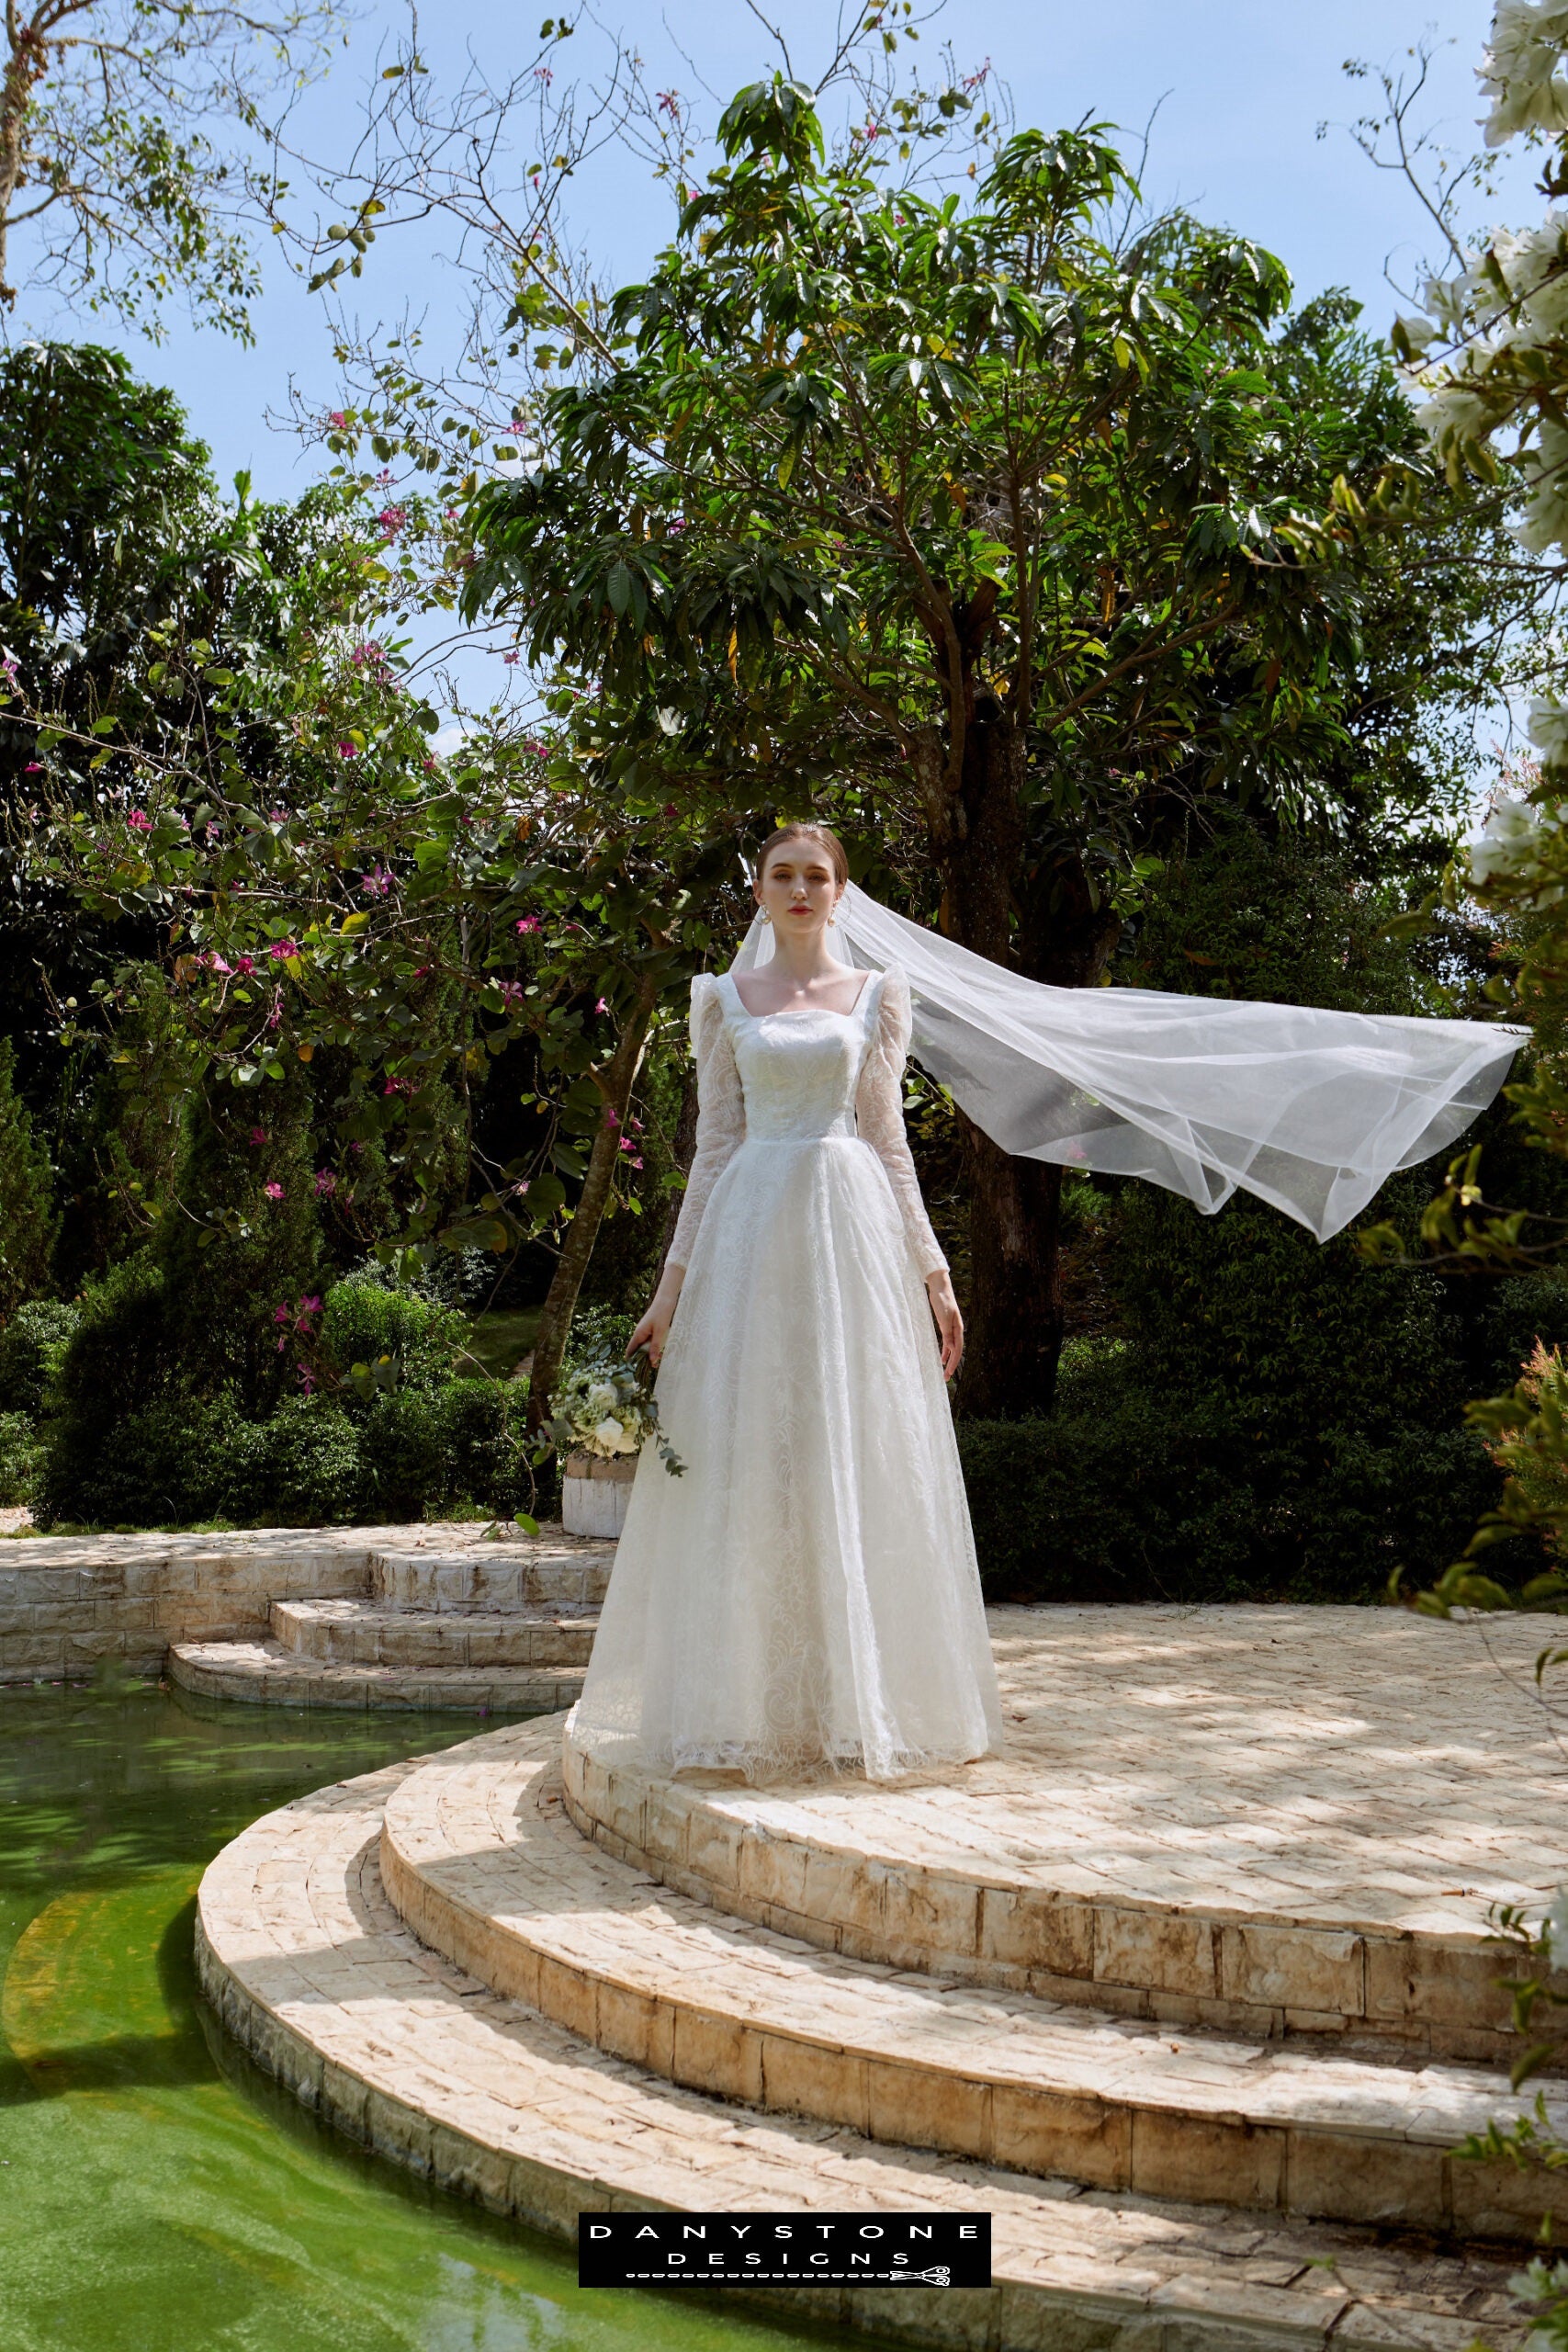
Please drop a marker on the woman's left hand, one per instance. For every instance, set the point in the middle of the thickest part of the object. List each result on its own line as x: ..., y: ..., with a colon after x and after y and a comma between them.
x: 949, y: 1322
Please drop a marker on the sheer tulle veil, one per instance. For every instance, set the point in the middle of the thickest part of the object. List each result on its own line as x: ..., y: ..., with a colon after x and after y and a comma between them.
x: 1311, y: 1110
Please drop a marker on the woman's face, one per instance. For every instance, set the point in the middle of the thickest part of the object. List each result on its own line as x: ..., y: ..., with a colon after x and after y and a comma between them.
x: 799, y: 889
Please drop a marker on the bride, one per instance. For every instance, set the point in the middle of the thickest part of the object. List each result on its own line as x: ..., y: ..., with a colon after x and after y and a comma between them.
x: 805, y: 1597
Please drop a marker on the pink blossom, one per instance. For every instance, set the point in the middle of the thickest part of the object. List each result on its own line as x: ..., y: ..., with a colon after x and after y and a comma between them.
x: 244, y: 965
x: 612, y: 1118
x: 215, y: 963
x: 348, y: 750
x: 392, y: 519
x: 281, y: 1315
x: 326, y: 1182
x: 141, y: 819
x: 526, y: 922
x: 371, y: 655
x: 34, y: 767
x: 257, y: 1135
x: 601, y: 1006
x: 517, y: 428
x: 376, y: 883
x: 544, y: 73
x: 637, y: 1162
x: 8, y: 669
x: 383, y: 477
x: 512, y: 658
x: 337, y: 418
x: 510, y: 991
x: 396, y: 1086
x: 282, y: 950
x: 419, y: 971
x: 273, y: 1191
x: 306, y: 1379
x: 357, y: 1145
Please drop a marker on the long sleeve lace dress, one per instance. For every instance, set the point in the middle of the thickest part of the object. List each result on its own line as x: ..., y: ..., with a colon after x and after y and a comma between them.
x: 805, y: 1597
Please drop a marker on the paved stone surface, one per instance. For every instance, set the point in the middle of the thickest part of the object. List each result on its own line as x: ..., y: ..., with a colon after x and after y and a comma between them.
x: 1264, y: 1818
x: 309, y: 1966
x: 265, y: 1674
x: 66, y: 1601
x: 480, y: 1861
x: 359, y: 1633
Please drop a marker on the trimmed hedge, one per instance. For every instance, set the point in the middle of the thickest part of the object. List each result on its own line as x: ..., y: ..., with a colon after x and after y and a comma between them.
x: 1139, y: 1499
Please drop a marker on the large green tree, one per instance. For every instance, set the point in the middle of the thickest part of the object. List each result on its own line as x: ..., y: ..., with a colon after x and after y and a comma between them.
x: 1014, y: 529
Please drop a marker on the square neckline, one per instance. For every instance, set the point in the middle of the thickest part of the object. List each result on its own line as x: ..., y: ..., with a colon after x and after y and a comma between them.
x: 803, y: 1012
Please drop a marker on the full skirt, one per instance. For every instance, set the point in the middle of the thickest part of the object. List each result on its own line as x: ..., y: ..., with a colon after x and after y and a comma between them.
x: 805, y: 1597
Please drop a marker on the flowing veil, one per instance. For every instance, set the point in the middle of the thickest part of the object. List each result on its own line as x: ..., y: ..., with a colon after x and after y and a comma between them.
x: 1311, y: 1110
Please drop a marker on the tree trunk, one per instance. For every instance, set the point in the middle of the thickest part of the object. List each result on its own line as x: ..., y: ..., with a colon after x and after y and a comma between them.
x: 1015, y: 1313
x: 554, y: 1323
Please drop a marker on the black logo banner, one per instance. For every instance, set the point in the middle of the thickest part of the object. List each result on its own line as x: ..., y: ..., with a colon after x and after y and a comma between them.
x: 783, y: 2250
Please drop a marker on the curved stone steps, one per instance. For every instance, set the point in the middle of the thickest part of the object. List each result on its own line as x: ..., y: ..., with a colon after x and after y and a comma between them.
x: 359, y: 1633
x: 308, y: 1966
x: 481, y: 1861
x: 553, y: 1571
x: 1260, y: 1819
x: 266, y: 1673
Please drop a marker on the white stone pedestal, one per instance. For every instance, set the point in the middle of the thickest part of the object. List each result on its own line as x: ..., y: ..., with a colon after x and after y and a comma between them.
x: 594, y: 1492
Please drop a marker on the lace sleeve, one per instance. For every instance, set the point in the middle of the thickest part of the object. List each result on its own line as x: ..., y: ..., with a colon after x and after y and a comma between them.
x: 721, y: 1114
x: 879, y: 1115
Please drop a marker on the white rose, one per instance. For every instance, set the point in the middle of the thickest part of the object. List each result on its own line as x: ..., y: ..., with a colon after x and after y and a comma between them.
x: 600, y: 1398
x: 609, y: 1434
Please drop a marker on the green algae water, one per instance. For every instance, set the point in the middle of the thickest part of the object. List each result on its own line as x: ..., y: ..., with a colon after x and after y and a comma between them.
x: 158, y: 2193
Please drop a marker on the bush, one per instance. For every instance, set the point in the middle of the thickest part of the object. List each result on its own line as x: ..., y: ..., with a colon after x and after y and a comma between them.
x: 32, y: 1346
x: 29, y: 1223
x: 1136, y: 1497
x: 363, y: 1317
x: 19, y: 1454
x: 184, y: 1458
x: 308, y: 1471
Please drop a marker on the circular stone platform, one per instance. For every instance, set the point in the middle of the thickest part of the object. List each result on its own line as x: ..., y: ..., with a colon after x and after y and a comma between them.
x: 1071, y: 1985
x: 1271, y: 1818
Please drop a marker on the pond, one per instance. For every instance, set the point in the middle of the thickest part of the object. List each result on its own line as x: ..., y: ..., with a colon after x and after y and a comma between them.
x: 157, y: 2192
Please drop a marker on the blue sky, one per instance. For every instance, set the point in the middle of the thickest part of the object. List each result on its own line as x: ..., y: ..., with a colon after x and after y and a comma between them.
x: 1244, y: 84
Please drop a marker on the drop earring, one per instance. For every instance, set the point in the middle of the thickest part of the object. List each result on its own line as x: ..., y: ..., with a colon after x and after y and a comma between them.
x: 765, y: 915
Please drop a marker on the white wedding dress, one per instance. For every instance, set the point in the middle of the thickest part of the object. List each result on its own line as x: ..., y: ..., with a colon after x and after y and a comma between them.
x: 805, y: 1597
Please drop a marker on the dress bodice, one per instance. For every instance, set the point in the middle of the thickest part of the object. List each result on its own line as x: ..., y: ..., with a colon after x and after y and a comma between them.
x: 799, y: 1071
x: 802, y: 1079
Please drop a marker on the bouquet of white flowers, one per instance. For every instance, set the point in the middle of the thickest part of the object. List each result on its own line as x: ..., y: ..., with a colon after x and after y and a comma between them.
x: 607, y: 1406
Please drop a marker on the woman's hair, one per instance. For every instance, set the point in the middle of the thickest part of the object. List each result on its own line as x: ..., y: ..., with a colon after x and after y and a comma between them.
x: 821, y: 834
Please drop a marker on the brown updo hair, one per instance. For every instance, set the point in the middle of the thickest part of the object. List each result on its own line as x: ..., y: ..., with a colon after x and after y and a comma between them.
x: 823, y: 835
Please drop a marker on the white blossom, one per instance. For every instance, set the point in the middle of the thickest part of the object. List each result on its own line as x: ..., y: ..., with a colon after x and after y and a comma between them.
x: 1518, y: 71
x: 1509, y: 839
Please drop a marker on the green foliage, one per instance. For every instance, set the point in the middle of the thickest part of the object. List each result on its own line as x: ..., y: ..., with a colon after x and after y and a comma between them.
x: 307, y: 1468
x: 364, y: 1319
x: 1133, y: 1492
x: 19, y: 1454
x: 28, y: 1222
x: 245, y: 1237
x: 128, y: 143
x: 33, y: 1344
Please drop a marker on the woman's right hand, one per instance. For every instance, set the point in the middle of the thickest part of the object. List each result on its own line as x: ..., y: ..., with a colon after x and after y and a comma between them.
x: 654, y: 1329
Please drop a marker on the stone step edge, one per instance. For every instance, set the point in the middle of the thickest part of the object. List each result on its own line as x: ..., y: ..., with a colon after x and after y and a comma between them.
x: 1193, y: 2311
x: 328, y: 1631
x: 261, y: 1674
x: 1436, y: 1994
x: 766, y: 2046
